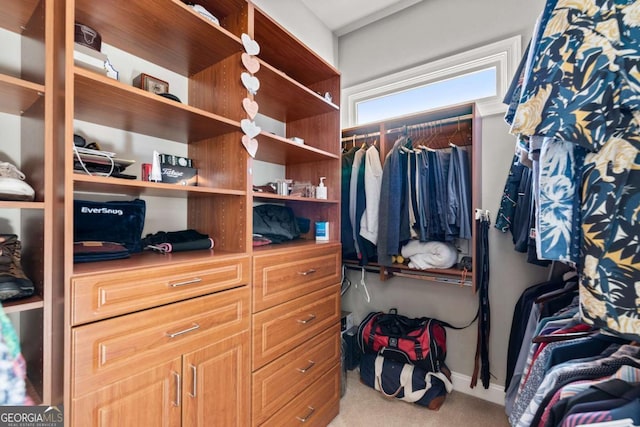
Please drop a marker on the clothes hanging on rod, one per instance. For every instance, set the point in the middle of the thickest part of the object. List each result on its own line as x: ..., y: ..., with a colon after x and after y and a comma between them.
x: 557, y: 365
x: 585, y: 109
x: 426, y: 195
x: 363, y: 171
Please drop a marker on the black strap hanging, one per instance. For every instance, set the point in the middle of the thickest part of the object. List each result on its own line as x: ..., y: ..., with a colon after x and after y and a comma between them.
x: 481, y: 365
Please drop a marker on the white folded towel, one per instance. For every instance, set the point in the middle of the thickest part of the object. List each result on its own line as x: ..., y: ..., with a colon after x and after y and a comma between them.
x: 425, y: 255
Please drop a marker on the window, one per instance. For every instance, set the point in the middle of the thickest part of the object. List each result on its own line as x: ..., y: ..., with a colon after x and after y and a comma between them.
x: 481, y: 75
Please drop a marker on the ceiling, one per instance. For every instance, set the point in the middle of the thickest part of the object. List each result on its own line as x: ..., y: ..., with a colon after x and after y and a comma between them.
x: 344, y: 16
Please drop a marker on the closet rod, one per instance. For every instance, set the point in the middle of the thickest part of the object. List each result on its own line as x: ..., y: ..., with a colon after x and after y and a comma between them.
x: 407, y: 127
x: 357, y: 137
x: 432, y: 123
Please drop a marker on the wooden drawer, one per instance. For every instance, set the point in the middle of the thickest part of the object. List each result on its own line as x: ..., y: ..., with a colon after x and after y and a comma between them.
x: 106, y: 351
x: 281, y: 276
x: 283, y: 379
x: 282, y: 328
x: 316, y: 406
x: 106, y: 295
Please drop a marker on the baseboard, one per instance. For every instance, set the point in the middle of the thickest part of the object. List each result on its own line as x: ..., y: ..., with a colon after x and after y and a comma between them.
x: 495, y: 393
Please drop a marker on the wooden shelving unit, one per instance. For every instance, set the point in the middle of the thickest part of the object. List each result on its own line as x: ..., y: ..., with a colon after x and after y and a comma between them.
x: 75, y: 305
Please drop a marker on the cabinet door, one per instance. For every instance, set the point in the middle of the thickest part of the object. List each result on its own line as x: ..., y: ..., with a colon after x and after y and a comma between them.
x: 151, y: 398
x: 216, y: 384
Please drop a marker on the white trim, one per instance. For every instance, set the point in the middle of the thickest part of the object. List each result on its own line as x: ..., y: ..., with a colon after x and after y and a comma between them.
x: 494, y: 393
x: 503, y: 55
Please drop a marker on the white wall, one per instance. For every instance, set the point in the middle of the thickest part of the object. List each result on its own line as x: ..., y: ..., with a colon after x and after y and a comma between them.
x: 431, y: 30
x: 299, y: 21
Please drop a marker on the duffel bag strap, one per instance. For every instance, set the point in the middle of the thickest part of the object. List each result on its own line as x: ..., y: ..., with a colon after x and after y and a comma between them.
x: 378, y: 384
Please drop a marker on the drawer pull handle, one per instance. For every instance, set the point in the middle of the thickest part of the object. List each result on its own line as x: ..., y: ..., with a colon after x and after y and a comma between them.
x: 306, y: 417
x: 306, y: 273
x: 186, y: 282
x: 175, y: 334
x: 176, y: 376
x: 311, y: 318
x: 194, y: 388
x: 304, y: 370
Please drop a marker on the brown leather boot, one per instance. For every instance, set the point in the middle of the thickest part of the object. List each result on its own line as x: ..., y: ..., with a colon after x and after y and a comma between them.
x: 13, y: 282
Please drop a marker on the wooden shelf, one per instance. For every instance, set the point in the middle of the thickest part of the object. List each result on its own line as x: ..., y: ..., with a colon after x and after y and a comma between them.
x: 279, y: 150
x: 164, y: 33
x: 148, y: 259
x: 136, y: 188
x: 21, y: 205
x: 16, y: 14
x: 269, y: 196
x: 107, y: 102
x: 286, y: 100
x: 448, y: 275
x: 24, y: 304
x: 283, y: 51
x: 295, y: 244
x: 17, y: 95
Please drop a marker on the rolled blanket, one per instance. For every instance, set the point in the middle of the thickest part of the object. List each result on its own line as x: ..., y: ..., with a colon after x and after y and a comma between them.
x: 426, y: 255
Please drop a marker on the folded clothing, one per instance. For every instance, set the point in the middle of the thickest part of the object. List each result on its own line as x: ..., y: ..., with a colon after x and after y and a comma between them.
x: 426, y: 255
x: 98, y: 251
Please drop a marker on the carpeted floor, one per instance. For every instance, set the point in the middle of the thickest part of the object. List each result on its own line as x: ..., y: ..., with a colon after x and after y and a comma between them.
x: 363, y: 406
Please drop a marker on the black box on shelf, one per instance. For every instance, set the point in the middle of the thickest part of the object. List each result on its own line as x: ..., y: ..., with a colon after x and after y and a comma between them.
x: 176, y: 160
x: 173, y: 174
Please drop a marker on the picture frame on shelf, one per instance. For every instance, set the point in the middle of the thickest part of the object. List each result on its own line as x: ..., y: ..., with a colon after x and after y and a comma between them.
x: 150, y: 84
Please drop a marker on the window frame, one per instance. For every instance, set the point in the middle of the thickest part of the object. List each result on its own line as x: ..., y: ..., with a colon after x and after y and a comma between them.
x: 504, y: 55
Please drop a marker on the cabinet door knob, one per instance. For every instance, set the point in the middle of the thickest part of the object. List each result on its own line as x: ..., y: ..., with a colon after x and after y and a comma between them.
x: 194, y: 387
x: 311, y: 318
x: 178, y: 381
x: 306, y: 273
x: 186, y: 282
x: 304, y: 370
x: 306, y: 417
x: 191, y: 329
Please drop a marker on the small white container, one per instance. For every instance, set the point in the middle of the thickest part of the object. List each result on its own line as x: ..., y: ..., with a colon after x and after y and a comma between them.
x: 322, y: 231
x: 321, y: 190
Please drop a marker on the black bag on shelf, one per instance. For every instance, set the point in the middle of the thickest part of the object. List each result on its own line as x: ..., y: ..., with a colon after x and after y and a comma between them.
x: 117, y: 221
x: 275, y: 222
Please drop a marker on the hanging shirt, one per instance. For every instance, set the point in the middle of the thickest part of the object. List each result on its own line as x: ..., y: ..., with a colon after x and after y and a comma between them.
x: 584, y: 85
x: 610, y: 261
x: 372, y: 187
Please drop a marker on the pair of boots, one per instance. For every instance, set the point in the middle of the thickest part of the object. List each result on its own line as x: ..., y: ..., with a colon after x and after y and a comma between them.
x: 13, y: 282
